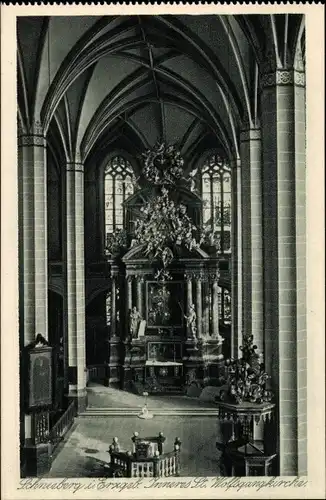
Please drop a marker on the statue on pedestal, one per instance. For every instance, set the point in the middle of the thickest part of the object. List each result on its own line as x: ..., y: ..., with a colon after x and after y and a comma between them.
x: 191, y: 321
x: 135, y: 319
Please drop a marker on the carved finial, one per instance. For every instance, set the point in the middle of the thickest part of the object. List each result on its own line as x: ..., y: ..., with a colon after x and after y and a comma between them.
x: 40, y: 340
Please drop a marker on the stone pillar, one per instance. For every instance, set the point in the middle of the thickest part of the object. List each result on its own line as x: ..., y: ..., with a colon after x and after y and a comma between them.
x: 33, y: 234
x: 215, y: 315
x: 129, y: 291
x: 252, y: 235
x: 76, y: 283
x: 283, y: 129
x: 199, y: 305
x: 236, y: 261
x: 113, y: 306
x: 206, y: 307
x: 140, y: 294
x: 33, y: 267
x: 113, y: 368
x: 188, y: 276
x: 128, y: 303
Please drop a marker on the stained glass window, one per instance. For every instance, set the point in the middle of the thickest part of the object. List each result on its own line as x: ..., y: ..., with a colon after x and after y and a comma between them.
x: 118, y: 186
x: 215, y: 187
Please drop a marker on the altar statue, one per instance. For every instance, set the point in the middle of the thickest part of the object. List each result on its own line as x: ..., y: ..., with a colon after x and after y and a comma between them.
x: 191, y: 320
x: 135, y: 319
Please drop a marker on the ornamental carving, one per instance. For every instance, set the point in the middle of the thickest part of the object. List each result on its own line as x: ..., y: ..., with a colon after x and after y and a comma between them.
x: 299, y: 79
x: 33, y: 136
x: 199, y: 277
x: 283, y: 77
x: 214, y: 276
x: 31, y: 140
x: 188, y: 276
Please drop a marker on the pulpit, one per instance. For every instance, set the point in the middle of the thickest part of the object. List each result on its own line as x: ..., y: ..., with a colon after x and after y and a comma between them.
x: 247, y: 452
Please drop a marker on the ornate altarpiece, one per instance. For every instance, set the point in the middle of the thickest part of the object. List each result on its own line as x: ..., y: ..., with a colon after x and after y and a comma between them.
x: 165, y: 354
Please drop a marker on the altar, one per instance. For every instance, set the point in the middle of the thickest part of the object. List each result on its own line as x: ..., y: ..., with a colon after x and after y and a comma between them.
x: 164, y: 302
x: 153, y: 348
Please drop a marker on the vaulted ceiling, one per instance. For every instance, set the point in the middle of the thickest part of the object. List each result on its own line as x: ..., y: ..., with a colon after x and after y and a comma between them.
x: 101, y: 83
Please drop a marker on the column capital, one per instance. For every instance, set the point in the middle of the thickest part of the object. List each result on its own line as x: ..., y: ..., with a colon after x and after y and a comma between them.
x: 205, y: 277
x: 74, y: 167
x: 214, y: 276
x: 188, y: 275
x: 33, y: 136
x: 283, y: 77
x: 250, y: 133
x: 199, y: 276
x: 140, y: 278
x: 129, y: 278
x: 31, y: 140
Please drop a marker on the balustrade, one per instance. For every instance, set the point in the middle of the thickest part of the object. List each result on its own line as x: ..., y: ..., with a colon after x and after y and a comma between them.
x: 62, y: 425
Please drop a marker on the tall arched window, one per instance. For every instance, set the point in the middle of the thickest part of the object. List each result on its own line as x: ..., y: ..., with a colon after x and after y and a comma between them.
x: 215, y: 187
x: 118, y: 186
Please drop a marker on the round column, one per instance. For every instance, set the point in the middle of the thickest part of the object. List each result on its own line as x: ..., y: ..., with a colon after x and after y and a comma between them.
x: 129, y: 293
x: 113, y: 306
x: 76, y: 282
x: 33, y: 257
x: 140, y: 294
x: 215, y: 312
x: 33, y: 233
x: 199, y: 306
x: 188, y: 277
x: 206, y: 306
x: 236, y: 262
x: 252, y: 235
x: 128, y: 303
x: 284, y: 231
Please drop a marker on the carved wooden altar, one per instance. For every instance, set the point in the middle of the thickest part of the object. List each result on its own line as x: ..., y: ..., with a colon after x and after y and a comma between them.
x: 167, y: 357
x: 164, y: 354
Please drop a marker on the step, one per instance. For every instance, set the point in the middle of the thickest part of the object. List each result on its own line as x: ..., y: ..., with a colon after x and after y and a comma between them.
x: 132, y: 412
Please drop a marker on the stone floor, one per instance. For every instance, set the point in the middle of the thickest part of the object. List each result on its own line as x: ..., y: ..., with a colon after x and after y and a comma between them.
x: 100, y: 396
x: 84, y: 451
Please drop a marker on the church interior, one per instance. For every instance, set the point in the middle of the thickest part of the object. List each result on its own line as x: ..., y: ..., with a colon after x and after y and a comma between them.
x: 162, y: 261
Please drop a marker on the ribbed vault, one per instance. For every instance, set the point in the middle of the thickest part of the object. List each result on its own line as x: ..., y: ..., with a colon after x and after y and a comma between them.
x: 101, y: 82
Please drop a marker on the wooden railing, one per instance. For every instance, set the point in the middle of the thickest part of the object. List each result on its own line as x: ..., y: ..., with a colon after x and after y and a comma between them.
x: 41, y: 424
x: 62, y: 425
x: 165, y: 465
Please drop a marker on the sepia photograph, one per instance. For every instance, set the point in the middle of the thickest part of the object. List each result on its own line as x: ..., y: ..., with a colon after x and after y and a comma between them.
x: 162, y: 247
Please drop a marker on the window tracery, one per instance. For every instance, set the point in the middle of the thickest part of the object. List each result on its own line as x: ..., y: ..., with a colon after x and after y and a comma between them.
x: 215, y: 189
x: 118, y: 186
